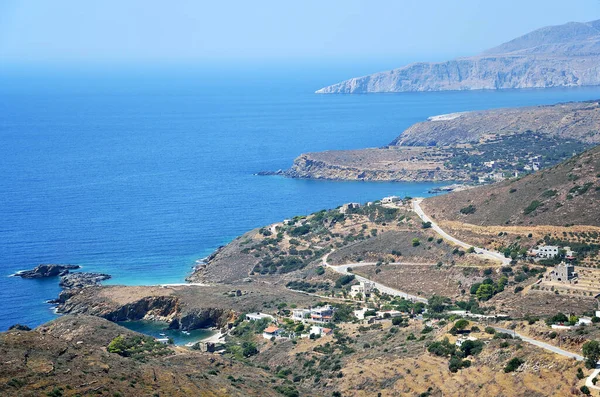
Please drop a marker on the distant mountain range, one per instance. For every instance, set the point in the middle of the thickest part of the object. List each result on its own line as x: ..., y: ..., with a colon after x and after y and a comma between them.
x: 555, y: 56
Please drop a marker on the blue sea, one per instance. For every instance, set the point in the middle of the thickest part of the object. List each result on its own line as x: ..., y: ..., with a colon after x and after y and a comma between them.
x: 141, y: 173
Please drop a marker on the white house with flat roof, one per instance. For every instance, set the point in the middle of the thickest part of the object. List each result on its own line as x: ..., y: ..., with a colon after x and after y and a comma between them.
x: 545, y: 251
x: 258, y: 316
x: 390, y: 200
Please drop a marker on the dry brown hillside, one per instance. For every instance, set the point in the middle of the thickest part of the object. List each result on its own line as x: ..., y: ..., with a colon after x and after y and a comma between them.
x: 566, y: 194
x: 68, y: 357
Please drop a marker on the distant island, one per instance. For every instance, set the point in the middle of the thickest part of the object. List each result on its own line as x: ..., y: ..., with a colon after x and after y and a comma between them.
x: 555, y: 56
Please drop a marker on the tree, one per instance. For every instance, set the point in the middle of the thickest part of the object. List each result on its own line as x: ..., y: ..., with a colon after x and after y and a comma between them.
x: 591, y: 352
x: 485, y: 292
x: 471, y: 347
x: 416, y: 242
x: 558, y: 318
x: 461, y: 324
x: 249, y: 349
x: 436, y: 303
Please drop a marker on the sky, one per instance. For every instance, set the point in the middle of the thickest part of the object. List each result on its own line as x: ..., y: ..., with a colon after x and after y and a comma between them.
x: 38, y: 32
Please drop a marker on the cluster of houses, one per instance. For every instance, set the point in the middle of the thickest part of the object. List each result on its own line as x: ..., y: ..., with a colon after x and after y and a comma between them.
x: 549, y: 252
x: 320, y: 315
x: 317, y: 317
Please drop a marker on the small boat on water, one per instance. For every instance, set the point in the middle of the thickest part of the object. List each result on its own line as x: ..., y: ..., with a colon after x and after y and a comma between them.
x: 185, y: 332
x: 190, y: 344
x: 163, y: 334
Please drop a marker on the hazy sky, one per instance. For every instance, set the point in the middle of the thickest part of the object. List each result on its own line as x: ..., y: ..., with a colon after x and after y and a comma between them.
x: 199, y: 31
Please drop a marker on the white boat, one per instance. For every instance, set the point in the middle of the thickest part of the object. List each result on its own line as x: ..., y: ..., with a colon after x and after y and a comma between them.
x: 162, y: 334
x: 190, y: 344
x: 185, y: 332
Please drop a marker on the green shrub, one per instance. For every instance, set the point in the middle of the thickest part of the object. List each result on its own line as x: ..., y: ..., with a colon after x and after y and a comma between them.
x: 532, y: 207
x: 469, y: 209
x: 513, y: 365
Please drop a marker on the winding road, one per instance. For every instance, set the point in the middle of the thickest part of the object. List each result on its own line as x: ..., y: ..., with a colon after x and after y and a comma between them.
x: 343, y: 269
x: 416, y: 205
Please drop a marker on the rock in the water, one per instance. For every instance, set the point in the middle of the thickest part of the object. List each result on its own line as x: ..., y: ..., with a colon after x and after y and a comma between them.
x: 43, y: 271
x: 81, y: 280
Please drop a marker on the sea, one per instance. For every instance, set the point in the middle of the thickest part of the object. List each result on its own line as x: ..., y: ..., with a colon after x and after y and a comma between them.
x: 140, y: 173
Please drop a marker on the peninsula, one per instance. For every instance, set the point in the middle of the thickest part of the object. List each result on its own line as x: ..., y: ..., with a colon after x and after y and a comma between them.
x: 478, y: 147
x: 555, y: 56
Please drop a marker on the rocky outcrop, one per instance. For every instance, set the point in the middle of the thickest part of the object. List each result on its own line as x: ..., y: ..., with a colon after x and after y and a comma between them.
x: 166, y: 308
x: 556, y: 56
x: 43, y: 271
x: 82, y: 280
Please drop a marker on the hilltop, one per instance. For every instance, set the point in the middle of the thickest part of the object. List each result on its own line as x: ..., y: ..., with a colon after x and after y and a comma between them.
x: 555, y: 56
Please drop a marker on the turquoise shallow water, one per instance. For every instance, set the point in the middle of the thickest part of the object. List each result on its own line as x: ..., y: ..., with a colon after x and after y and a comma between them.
x: 140, y: 175
x: 160, y: 330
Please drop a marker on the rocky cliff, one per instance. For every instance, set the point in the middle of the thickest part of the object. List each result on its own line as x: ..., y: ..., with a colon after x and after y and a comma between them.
x: 556, y: 56
x: 144, y: 303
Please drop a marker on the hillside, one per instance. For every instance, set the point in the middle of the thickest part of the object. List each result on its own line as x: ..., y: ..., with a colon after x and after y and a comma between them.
x: 556, y: 56
x: 577, y: 120
x: 68, y: 357
x: 568, y: 193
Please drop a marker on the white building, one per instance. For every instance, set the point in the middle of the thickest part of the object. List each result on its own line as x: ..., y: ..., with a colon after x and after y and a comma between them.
x: 320, y: 331
x: 258, y: 316
x: 489, y: 164
x: 364, y: 288
x: 390, y: 200
x: 389, y: 314
x: 545, y: 251
x: 300, y: 314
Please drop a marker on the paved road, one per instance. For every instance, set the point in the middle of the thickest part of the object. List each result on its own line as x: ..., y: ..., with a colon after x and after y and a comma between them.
x: 557, y: 350
x: 343, y: 269
x: 541, y: 344
x: 416, y: 205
